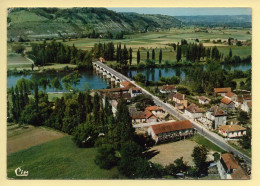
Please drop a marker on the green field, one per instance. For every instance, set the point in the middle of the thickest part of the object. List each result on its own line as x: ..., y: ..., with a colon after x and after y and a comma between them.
x: 159, y: 40
x: 58, y: 159
x: 203, y: 141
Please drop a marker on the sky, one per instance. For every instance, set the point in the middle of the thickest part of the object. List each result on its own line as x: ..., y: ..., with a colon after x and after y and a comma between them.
x: 186, y: 11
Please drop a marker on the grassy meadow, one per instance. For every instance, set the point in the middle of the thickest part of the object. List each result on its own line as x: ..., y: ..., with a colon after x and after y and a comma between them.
x: 58, y: 159
x: 159, y: 40
x: 205, y: 142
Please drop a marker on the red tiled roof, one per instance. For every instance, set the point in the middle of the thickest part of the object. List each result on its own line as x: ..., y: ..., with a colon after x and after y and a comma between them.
x: 127, y: 84
x: 232, y: 128
x: 126, y: 96
x: 168, y: 87
x: 247, y: 97
x: 222, y: 90
x: 114, y: 90
x: 203, y: 98
x: 230, y: 94
x: 143, y: 115
x: 216, y: 111
x: 171, y: 126
x: 179, y: 96
x: 194, y: 109
x: 239, y: 174
x: 226, y: 101
x: 152, y: 108
x: 230, y: 161
x: 136, y: 89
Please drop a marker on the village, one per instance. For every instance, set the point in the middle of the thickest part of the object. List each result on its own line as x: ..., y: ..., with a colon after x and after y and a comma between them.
x: 151, y: 119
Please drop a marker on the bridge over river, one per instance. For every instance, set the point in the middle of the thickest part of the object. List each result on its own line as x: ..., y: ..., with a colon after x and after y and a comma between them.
x: 117, y: 77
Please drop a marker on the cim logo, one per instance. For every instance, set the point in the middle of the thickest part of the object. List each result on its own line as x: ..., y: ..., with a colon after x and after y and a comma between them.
x: 20, y: 172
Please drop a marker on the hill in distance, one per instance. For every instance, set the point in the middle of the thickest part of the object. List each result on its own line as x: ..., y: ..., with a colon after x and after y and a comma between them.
x: 56, y: 22
x: 218, y: 20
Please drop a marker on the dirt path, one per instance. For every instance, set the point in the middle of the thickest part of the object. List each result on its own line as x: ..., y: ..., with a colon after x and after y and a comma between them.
x: 19, y: 138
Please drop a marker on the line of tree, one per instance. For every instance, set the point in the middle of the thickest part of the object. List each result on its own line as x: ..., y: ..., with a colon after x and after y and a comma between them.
x: 56, y: 52
x: 196, y: 52
x: 204, y: 80
x: 122, y: 55
x: 105, y: 50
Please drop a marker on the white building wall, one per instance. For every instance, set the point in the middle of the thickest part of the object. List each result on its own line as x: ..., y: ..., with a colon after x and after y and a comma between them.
x: 220, y: 120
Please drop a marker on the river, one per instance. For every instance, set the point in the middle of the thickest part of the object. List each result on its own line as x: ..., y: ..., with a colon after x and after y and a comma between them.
x: 88, y: 80
x: 154, y: 74
x: 93, y: 81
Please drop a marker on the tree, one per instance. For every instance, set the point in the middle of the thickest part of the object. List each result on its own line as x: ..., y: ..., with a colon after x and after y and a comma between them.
x: 106, y: 158
x: 142, y: 101
x: 216, y: 156
x: 36, y: 95
x: 245, y: 140
x: 139, y: 77
x: 56, y: 84
x: 199, y: 155
x: 178, y: 55
x: 153, y: 54
x: 179, y: 166
x: 230, y: 53
x: 18, y: 48
x: 130, y: 152
x: 124, y: 122
x: 130, y: 55
x: 160, y: 56
x: 44, y: 82
x: 71, y: 116
x: 243, y: 117
x: 71, y: 79
x: 138, y: 57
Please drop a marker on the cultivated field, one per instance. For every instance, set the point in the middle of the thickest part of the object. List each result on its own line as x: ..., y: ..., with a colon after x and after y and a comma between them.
x: 58, y: 159
x: 159, y: 40
x: 19, y: 138
x: 17, y: 61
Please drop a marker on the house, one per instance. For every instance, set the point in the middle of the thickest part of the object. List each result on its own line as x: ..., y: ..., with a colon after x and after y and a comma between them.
x: 232, y: 96
x: 243, y: 98
x: 115, y: 90
x: 135, y: 91
x: 203, y: 100
x: 178, y: 98
x: 227, y: 103
x: 222, y: 91
x: 168, y: 89
x: 216, y: 116
x: 193, y: 111
x: 126, y: 84
x: 171, y: 130
x: 143, y: 117
x: 118, y: 96
x: 247, y: 106
x: 232, y: 131
x: 229, y: 168
x: 101, y: 59
x: 155, y: 110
